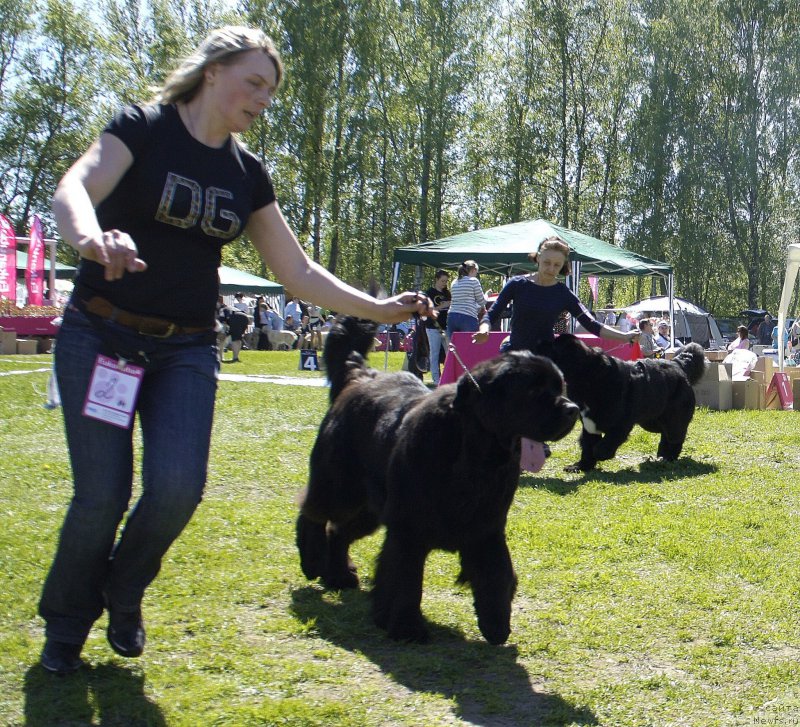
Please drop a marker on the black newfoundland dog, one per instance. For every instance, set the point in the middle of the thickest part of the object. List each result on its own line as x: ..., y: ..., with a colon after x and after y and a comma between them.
x: 614, y: 395
x: 438, y: 468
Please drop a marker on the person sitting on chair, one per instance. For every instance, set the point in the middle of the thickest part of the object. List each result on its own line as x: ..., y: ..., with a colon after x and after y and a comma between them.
x: 647, y: 341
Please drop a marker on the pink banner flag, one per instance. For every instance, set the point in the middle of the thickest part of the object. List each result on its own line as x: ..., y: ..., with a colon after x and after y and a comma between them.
x: 8, y: 261
x: 34, y: 273
x: 592, y: 279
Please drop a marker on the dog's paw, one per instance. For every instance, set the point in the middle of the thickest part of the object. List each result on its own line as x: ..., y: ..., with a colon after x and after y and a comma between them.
x: 579, y: 467
x: 412, y: 631
x: 341, y: 581
x: 495, y: 634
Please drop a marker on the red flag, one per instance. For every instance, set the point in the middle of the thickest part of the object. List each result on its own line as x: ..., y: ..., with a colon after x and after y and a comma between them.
x: 34, y: 273
x: 593, y: 280
x: 8, y: 261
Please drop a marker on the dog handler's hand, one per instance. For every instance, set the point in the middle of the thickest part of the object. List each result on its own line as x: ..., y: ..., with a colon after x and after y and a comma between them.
x: 401, y: 307
x: 115, y: 251
x: 481, y: 336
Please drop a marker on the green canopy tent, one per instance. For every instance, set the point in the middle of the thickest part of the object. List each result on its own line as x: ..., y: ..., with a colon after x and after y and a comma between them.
x: 62, y: 271
x: 234, y: 281
x: 504, y: 250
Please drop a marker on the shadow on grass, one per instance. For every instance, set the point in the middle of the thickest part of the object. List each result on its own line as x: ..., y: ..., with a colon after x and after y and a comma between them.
x: 486, y: 682
x: 114, y: 693
x: 648, y: 471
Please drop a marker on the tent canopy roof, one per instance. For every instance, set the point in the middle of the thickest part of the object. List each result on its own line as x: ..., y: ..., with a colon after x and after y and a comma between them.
x: 233, y: 281
x: 62, y: 270
x: 504, y: 250
x: 660, y: 304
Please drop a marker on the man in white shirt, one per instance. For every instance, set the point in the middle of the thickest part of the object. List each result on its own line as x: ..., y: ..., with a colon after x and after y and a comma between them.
x: 239, y: 304
x: 662, y: 339
x: 293, y: 309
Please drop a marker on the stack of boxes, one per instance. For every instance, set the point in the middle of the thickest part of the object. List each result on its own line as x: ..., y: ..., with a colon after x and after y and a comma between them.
x: 718, y: 390
x: 10, y: 344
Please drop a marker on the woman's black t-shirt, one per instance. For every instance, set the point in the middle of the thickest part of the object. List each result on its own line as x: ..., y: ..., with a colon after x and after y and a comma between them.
x: 180, y: 202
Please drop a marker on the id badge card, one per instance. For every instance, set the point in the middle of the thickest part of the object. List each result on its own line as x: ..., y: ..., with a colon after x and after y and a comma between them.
x: 112, y: 393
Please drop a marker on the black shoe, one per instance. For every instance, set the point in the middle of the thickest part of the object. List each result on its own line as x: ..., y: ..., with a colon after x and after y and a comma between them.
x: 125, y: 632
x: 61, y: 658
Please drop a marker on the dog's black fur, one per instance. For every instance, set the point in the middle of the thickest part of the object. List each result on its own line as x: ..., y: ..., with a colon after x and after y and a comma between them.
x: 438, y: 468
x: 614, y: 395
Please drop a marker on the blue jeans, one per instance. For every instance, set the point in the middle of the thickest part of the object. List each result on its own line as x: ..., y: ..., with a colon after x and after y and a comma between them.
x: 175, y: 410
x: 457, y: 322
x: 436, y: 344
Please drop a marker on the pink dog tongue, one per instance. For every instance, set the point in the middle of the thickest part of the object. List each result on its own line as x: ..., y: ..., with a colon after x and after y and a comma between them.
x: 532, y: 456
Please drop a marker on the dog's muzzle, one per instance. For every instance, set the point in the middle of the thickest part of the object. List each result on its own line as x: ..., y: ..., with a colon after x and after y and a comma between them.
x: 569, y: 415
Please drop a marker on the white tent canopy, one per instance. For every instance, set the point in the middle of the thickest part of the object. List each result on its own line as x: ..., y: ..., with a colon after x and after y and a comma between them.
x: 691, y: 321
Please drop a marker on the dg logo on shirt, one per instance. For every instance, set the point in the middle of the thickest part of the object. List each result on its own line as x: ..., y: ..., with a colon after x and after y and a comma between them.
x: 210, y: 210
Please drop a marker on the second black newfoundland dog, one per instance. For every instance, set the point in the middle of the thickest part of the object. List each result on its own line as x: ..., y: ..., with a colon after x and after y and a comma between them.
x: 615, y: 395
x: 438, y: 468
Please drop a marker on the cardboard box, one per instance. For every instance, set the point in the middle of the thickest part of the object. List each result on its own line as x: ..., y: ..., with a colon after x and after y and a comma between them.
x: 747, y: 394
x: 26, y: 346
x: 715, y: 356
x: 796, y: 389
x: 766, y: 365
x: 44, y: 344
x: 715, y: 389
x: 8, y: 342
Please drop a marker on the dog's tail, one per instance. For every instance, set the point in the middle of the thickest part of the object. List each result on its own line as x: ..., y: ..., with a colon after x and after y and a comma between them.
x: 693, y: 362
x: 345, y: 353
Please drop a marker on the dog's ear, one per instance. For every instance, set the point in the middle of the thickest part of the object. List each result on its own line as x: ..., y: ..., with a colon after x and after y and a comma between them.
x: 466, y: 391
x: 547, y: 348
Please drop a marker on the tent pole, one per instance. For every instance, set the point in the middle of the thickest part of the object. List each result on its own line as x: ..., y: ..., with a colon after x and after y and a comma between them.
x: 395, y: 277
x: 671, y: 294
x: 575, y: 281
x: 792, y: 266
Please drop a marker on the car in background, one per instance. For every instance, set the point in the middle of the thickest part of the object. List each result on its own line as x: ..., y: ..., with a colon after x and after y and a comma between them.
x: 755, y: 316
x: 728, y: 326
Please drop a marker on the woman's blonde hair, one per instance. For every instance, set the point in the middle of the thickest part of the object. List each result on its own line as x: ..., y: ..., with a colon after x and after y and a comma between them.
x: 220, y: 46
x: 557, y: 244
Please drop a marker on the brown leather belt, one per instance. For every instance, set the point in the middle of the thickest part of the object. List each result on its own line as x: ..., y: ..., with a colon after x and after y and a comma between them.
x: 147, y: 326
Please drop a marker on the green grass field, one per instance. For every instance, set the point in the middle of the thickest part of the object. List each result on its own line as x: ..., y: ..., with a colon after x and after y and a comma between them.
x: 649, y: 594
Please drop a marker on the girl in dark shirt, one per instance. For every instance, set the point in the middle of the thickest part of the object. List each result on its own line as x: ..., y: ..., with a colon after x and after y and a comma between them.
x: 539, y: 299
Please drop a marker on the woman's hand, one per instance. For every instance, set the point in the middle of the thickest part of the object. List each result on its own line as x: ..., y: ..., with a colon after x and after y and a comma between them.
x: 401, y: 307
x: 480, y: 337
x: 115, y: 251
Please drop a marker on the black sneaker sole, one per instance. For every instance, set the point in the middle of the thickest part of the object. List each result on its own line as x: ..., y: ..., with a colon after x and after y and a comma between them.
x: 127, y: 653
x: 60, y: 663
x: 62, y: 671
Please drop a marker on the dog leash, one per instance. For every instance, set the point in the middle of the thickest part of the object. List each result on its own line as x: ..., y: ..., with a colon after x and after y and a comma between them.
x: 452, y: 349
x: 615, y: 348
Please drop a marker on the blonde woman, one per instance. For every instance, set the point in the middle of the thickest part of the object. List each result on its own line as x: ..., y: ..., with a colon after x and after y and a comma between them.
x: 149, y: 207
